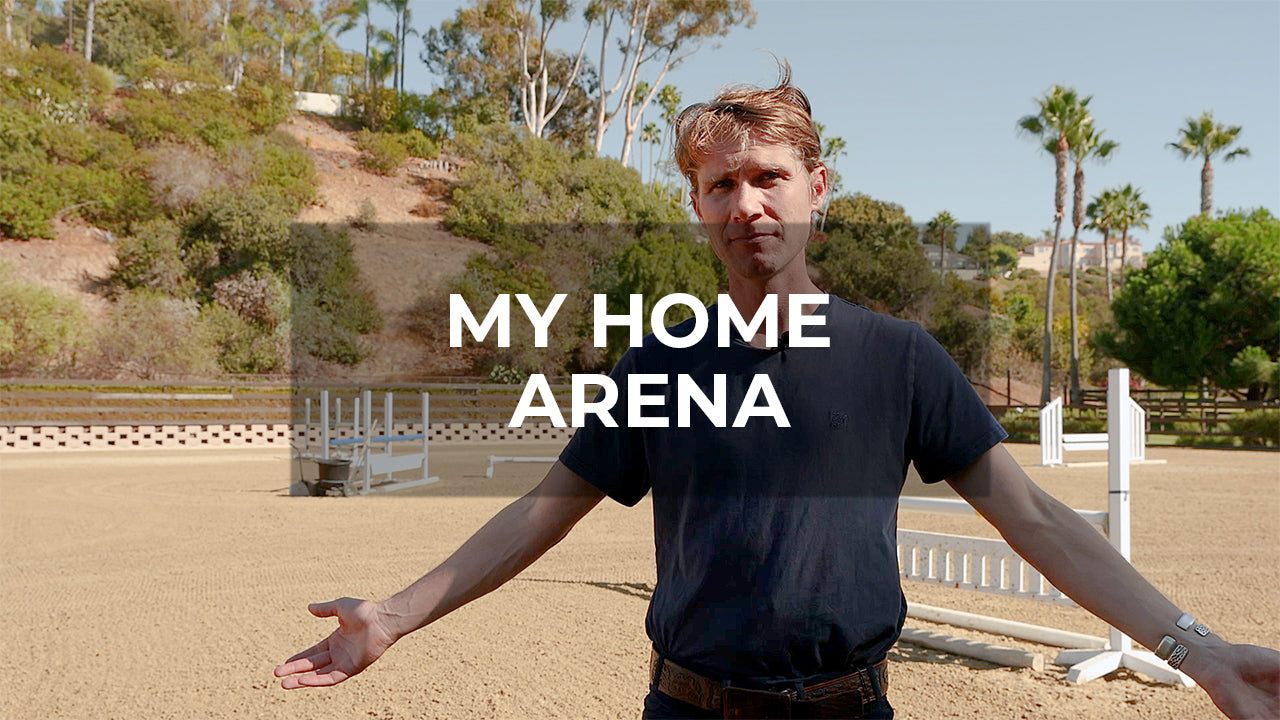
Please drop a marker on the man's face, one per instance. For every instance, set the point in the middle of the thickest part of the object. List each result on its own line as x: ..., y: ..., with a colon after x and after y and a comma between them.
x: 757, y: 205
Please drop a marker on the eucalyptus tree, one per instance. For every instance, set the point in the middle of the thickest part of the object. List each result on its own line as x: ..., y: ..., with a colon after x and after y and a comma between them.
x: 1060, y: 111
x: 1203, y: 137
x: 656, y: 33
x: 1085, y: 143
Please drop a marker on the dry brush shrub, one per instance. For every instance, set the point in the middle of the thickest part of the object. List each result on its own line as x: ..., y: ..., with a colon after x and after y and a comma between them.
x: 151, y: 334
x: 253, y: 295
x: 40, y: 330
x: 180, y: 175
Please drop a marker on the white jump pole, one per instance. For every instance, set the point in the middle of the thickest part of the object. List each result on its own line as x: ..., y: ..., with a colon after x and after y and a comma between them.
x: 388, y: 422
x: 324, y: 424
x: 366, y: 396
x: 1087, y: 665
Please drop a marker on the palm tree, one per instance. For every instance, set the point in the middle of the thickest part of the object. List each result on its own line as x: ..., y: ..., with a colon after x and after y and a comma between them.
x: 1086, y: 143
x: 1202, y: 137
x: 938, y: 227
x: 1060, y: 110
x: 1134, y: 213
x: 651, y: 135
x: 1104, y: 215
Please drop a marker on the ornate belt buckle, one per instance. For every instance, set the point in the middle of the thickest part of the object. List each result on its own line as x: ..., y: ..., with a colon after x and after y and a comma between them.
x: 746, y: 703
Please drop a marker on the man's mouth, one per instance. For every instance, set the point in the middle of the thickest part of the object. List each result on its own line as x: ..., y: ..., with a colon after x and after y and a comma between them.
x: 751, y: 237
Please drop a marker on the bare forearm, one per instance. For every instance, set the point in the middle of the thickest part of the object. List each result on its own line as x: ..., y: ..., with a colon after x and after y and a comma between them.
x: 1075, y: 557
x: 507, y: 544
x: 1079, y: 561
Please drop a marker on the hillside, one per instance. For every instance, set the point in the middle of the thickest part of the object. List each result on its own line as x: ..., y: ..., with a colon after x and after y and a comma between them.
x: 402, y: 255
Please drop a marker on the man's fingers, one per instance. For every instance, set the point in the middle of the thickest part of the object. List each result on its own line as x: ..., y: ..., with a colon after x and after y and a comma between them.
x: 324, y: 677
x: 320, y: 647
x: 325, y: 609
x: 303, y: 663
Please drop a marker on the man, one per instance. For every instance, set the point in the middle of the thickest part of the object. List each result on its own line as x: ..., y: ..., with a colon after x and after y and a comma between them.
x: 777, y: 590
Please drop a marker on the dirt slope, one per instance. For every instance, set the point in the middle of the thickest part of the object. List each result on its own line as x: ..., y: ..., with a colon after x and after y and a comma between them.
x: 403, y: 255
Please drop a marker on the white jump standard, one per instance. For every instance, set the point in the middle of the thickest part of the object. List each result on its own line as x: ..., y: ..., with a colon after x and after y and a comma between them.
x: 1054, y: 442
x: 353, y: 470
x: 991, y: 566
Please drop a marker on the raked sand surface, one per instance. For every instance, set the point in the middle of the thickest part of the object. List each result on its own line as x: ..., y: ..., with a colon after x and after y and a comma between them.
x: 164, y: 584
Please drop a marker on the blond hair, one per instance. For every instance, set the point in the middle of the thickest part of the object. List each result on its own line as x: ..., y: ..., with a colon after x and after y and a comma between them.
x: 743, y: 114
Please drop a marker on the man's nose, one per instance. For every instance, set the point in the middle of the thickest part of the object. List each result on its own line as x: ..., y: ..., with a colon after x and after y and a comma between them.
x: 748, y: 203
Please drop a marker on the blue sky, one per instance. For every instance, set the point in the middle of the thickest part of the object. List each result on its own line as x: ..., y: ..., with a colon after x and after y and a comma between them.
x: 927, y: 95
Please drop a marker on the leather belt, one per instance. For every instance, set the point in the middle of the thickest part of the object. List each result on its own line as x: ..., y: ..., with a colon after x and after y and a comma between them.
x: 844, y: 696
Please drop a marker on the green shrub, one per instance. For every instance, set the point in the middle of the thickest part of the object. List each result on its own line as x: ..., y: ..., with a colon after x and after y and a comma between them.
x: 504, y: 375
x: 1022, y: 425
x: 1257, y: 427
x: 384, y: 153
x: 246, y: 347
x: 26, y: 209
x: 376, y: 109
x: 264, y: 98
x: 318, y: 332
x: 235, y: 231
x: 282, y: 171
x: 52, y: 78
x: 419, y: 145
x: 152, y: 334
x: 324, y: 268
x: 152, y: 258
x: 40, y: 330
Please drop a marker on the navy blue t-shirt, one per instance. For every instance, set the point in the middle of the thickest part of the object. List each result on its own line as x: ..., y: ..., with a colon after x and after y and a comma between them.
x: 775, y: 545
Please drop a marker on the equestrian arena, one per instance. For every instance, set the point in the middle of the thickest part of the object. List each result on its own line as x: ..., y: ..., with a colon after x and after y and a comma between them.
x: 168, y: 584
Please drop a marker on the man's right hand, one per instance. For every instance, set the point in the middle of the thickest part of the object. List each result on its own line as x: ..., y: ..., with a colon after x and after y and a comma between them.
x: 360, y: 639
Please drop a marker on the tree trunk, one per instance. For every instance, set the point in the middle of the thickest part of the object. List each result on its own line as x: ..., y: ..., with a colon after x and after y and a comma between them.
x: 1206, y: 188
x: 70, y: 8
x: 368, y: 32
x: 1046, y: 378
x: 1077, y: 219
x: 88, y: 29
x: 942, y: 252
x: 1124, y: 254
x: 1060, y: 202
x: 1106, y: 259
x: 8, y: 21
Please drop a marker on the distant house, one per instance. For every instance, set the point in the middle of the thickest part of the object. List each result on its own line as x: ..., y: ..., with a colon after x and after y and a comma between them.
x: 1088, y: 254
x: 958, y: 264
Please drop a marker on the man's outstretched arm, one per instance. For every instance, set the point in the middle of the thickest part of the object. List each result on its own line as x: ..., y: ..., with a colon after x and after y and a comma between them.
x: 1242, y: 680
x: 507, y: 544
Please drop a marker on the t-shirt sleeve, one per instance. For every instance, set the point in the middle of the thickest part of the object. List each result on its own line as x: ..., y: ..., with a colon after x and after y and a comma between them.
x: 613, y: 459
x: 950, y: 426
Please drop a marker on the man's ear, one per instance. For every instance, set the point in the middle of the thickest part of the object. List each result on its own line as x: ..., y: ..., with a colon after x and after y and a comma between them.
x: 693, y: 199
x: 818, y: 187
